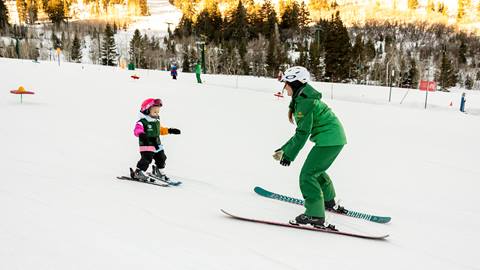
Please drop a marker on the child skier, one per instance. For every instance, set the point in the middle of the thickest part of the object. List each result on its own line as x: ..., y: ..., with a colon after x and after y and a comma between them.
x: 173, y: 72
x: 148, y: 131
x: 314, y: 119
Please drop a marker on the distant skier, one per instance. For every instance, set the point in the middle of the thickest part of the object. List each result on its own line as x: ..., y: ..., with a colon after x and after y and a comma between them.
x: 314, y: 119
x: 463, y: 100
x: 148, y: 131
x: 173, y: 71
x: 198, y: 72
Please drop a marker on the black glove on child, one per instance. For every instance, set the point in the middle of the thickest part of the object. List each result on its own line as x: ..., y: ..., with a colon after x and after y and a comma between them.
x: 174, y: 131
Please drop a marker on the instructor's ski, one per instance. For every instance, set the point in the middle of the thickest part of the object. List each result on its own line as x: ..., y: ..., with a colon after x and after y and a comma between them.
x: 272, y: 195
x: 305, y: 227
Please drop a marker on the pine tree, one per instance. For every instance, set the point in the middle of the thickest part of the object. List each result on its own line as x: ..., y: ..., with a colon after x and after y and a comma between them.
x: 369, y: 50
x: 289, y: 22
x: 269, y: 19
x: 272, y: 60
x: 108, y: 53
x: 254, y: 19
x: 337, y: 50
x: 3, y: 16
x: 412, y: 75
x: 186, y: 59
x: 469, y: 82
x: 209, y: 22
x: 76, y: 52
x: 185, y: 26
x: 357, y: 57
x: 146, y: 48
x: 447, y: 76
x: 314, y: 62
x: 238, y: 28
x: 462, y: 59
x: 55, y: 11
x: 303, y: 18
x: 56, y: 42
x: 303, y: 59
x: 136, y: 49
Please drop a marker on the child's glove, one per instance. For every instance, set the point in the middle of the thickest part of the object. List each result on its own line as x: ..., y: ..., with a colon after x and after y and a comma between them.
x: 174, y: 131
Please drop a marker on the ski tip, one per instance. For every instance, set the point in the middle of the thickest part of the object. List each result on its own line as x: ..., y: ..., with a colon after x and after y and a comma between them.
x: 380, y: 237
x: 381, y: 220
x: 258, y: 189
x: 226, y: 213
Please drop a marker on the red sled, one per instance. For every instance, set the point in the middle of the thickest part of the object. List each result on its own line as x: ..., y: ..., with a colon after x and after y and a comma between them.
x: 135, y: 77
x: 278, y: 95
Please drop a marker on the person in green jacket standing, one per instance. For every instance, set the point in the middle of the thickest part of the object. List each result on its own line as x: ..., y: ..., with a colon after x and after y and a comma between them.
x: 314, y: 120
x: 198, y: 71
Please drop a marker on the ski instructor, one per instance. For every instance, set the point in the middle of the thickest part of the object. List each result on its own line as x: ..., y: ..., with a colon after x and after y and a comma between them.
x: 314, y: 119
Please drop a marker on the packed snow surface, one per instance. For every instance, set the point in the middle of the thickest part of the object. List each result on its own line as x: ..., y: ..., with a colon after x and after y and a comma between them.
x: 61, y: 206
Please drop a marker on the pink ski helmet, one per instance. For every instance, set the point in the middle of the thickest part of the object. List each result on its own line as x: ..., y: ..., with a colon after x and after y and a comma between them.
x: 149, y: 103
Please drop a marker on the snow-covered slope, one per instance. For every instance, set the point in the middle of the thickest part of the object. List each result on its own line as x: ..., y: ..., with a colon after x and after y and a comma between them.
x: 162, y: 13
x: 61, y: 207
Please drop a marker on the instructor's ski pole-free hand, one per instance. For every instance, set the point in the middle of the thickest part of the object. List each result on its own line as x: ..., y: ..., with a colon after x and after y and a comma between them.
x: 278, y: 155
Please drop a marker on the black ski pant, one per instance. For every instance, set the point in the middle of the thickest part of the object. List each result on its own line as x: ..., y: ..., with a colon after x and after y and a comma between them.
x: 147, y: 158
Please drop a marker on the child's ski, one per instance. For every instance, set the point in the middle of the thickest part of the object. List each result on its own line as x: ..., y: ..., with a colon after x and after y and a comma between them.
x: 169, y: 181
x: 305, y: 227
x: 268, y: 194
x: 146, y: 182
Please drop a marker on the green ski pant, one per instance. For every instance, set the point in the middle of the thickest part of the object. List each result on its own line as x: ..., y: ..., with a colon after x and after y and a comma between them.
x: 315, y: 184
x: 198, y: 78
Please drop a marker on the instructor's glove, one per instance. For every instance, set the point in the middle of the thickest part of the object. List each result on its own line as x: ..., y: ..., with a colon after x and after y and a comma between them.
x: 285, y: 162
x: 278, y: 155
x: 174, y: 131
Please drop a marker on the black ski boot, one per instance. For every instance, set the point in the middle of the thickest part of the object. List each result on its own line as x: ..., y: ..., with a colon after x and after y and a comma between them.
x: 140, y: 175
x: 317, y: 222
x: 159, y: 173
x: 334, y: 207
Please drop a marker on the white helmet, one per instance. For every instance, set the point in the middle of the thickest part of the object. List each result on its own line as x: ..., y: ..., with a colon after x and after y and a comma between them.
x: 296, y: 73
